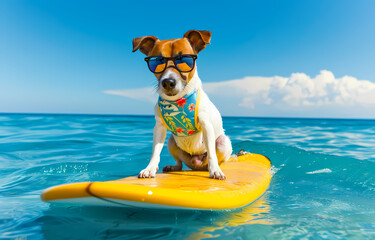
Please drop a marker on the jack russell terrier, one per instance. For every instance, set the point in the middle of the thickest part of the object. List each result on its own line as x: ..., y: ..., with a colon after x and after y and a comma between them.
x: 183, y: 107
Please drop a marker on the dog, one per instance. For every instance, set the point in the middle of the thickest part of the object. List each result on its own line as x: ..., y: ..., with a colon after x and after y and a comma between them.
x: 198, y: 139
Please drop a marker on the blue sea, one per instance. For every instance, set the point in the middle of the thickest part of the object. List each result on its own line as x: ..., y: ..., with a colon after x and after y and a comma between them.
x: 323, y: 185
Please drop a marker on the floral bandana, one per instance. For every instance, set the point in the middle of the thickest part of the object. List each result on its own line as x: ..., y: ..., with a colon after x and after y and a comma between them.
x: 180, y: 116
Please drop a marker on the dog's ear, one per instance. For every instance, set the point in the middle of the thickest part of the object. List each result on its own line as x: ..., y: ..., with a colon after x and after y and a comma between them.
x: 144, y: 44
x: 198, y: 39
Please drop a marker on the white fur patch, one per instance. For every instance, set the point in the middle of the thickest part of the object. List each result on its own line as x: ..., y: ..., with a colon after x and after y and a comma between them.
x: 194, y: 83
x: 192, y: 144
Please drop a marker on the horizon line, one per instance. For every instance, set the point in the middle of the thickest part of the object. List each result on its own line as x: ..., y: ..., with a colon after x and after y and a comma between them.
x: 151, y: 115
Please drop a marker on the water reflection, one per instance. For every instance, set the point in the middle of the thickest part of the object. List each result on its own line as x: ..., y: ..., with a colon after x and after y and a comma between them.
x: 121, y: 223
x: 256, y: 213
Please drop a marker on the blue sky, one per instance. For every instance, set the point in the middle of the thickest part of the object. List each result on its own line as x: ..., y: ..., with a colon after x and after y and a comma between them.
x: 64, y: 56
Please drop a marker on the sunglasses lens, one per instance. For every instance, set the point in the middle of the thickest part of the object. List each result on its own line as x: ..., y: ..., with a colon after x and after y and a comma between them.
x: 156, y: 64
x: 185, y: 63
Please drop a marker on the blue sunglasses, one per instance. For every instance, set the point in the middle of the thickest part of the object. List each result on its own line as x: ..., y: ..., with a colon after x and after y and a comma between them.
x: 184, y: 63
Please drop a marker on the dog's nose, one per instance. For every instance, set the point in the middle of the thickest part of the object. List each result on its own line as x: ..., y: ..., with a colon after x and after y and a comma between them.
x: 168, y: 83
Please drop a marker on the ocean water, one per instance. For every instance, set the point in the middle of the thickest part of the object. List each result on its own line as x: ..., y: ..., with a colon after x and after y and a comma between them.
x: 323, y: 185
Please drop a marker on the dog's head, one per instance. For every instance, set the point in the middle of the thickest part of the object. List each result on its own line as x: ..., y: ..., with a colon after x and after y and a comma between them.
x: 172, y: 61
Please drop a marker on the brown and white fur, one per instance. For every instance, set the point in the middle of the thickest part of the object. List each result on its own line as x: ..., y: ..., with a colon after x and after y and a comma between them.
x: 206, y: 149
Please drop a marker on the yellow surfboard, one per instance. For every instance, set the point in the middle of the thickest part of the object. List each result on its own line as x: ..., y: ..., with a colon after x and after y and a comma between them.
x: 248, y: 177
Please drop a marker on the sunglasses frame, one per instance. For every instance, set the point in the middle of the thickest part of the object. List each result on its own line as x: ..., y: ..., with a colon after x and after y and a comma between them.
x: 167, y: 59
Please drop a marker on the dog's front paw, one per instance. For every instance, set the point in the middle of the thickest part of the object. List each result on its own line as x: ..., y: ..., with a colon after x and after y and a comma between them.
x: 149, y: 172
x: 216, y: 173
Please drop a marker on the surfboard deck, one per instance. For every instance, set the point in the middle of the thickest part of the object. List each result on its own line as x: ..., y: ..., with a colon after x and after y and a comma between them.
x: 247, y: 178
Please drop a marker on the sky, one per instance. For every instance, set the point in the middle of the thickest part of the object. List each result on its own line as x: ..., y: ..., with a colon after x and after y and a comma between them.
x: 266, y: 58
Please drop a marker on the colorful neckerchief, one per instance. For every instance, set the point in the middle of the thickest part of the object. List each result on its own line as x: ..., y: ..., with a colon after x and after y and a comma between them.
x: 180, y: 116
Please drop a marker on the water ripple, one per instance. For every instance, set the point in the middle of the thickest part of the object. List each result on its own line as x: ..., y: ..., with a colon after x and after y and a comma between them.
x: 323, y: 182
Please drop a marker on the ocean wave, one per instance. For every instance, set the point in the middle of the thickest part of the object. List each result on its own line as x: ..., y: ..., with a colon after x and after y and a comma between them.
x: 325, y: 170
x: 320, y: 187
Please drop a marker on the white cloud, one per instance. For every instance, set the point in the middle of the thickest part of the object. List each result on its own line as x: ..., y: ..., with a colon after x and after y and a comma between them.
x: 297, y: 90
x: 299, y: 94
x: 144, y: 94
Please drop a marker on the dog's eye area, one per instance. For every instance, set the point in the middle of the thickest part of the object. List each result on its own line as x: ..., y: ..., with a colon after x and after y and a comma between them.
x: 157, y: 60
x: 157, y: 64
x: 185, y: 63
